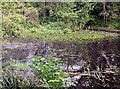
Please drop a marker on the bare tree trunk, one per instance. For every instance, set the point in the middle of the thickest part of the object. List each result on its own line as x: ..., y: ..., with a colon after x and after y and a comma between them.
x: 44, y: 15
x: 104, y: 10
x: 46, y: 11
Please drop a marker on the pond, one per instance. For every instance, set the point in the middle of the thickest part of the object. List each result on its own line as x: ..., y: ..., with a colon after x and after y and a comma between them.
x: 89, y: 64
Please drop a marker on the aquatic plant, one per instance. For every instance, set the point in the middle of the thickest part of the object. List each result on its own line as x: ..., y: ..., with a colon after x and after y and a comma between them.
x: 15, y: 76
x: 46, y: 73
x: 49, y: 71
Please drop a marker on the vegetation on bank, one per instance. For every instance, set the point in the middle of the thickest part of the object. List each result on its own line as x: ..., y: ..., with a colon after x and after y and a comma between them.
x: 52, y: 22
x: 24, y: 17
x: 46, y: 72
x: 67, y: 36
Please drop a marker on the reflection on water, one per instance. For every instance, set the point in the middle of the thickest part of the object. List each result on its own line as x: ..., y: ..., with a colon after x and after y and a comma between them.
x: 88, y: 64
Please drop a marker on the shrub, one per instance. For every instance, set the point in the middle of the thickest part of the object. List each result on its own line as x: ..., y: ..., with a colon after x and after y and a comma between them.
x: 48, y: 69
x: 47, y: 73
x: 55, y: 26
x: 12, y: 24
x: 114, y: 24
x: 17, y: 17
x: 14, y: 76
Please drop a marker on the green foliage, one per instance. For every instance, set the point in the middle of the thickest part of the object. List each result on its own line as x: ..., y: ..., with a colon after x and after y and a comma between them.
x: 12, y: 24
x: 11, y: 79
x: 47, y: 74
x: 20, y: 16
x: 114, y: 24
x: 11, y: 21
x: 48, y: 69
x: 18, y: 65
x: 14, y: 76
x: 75, y: 14
x: 59, y: 35
x: 84, y: 13
x: 15, y: 18
x: 55, y: 26
x: 112, y: 15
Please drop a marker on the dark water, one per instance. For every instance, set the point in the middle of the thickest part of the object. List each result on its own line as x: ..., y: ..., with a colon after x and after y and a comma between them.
x: 89, y: 64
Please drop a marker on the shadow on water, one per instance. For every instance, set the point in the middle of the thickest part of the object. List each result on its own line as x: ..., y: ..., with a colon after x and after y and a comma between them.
x: 90, y: 64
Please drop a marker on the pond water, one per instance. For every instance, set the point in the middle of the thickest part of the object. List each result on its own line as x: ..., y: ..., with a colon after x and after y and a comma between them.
x: 89, y: 64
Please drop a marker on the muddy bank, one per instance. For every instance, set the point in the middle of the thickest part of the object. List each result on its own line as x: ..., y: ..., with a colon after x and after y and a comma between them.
x: 91, y: 64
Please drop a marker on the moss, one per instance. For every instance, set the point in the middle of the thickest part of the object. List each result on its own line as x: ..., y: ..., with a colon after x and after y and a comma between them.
x: 70, y: 36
